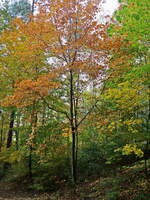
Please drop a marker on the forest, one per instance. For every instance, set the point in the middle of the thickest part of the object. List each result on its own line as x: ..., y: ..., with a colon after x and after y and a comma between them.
x: 74, y: 100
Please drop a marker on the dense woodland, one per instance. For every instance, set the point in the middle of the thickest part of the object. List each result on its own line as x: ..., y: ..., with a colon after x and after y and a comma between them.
x: 75, y: 99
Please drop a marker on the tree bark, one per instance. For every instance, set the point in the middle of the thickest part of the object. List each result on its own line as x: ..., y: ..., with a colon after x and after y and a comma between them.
x: 32, y: 7
x: 10, y: 131
x: 74, y: 178
x: 33, y: 135
x: 1, y: 132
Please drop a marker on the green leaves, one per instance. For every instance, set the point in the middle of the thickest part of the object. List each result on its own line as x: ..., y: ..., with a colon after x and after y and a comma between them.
x: 4, y: 18
x: 133, y: 17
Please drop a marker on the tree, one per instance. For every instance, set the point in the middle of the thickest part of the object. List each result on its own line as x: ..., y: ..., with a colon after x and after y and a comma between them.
x: 127, y: 97
x: 80, y: 51
x: 8, y: 12
x: 66, y: 32
x: 20, y: 9
x: 4, y: 15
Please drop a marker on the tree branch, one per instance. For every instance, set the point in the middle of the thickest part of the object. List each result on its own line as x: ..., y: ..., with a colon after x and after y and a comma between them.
x: 56, y: 110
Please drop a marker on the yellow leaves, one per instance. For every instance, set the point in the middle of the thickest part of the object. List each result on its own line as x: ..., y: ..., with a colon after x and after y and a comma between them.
x: 24, y: 46
x: 14, y: 157
x: 130, y: 125
x: 133, y: 122
x: 66, y: 132
x: 112, y: 126
x: 127, y: 95
x: 129, y: 149
x: 9, y: 156
x: 109, y: 127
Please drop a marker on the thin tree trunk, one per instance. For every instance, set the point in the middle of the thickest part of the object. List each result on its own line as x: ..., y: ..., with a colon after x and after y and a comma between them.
x: 72, y: 129
x: 76, y: 129
x: 30, y: 162
x: 147, y: 142
x: 33, y: 134
x: 1, y: 136
x: 17, y: 133
x: 10, y: 131
x: 32, y: 7
x: 9, y: 137
x: 43, y: 114
x: 17, y: 139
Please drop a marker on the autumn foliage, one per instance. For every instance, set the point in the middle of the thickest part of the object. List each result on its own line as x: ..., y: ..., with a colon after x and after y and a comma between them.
x: 28, y: 92
x: 75, y: 91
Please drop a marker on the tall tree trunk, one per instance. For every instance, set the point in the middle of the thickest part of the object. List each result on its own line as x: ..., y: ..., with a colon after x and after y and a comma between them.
x: 72, y: 128
x: 32, y: 135
x: 32, y: 7
x: 43, y: 115
x: 17, y: 139
x: 17, y: 132
x: 30, y: 162
x: 76, y: 129
x: 10, y: 131
x: 148, y: 140
x: 9, y: 137
x: 1, y: 132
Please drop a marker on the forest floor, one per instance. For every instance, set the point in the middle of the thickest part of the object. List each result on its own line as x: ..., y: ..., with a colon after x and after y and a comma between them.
x: 10, y: 191
x: 128, y: 184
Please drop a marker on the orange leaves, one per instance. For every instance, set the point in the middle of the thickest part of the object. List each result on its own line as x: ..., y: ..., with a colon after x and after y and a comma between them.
x: 117, y: 27
x: 24, y: 54
x: 39, y: 31
x: 61, y: 29
x: 65, y: 134
x: 28, y: 91
x: 104, y: 122
x: 64, y: 32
